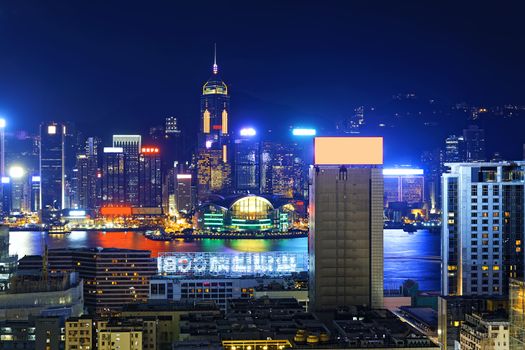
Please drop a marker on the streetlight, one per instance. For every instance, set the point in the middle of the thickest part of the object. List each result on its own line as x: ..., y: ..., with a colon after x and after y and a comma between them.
x: 16, y: 172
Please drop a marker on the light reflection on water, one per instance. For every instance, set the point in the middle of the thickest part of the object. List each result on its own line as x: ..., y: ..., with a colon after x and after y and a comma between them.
x: 406, y: 255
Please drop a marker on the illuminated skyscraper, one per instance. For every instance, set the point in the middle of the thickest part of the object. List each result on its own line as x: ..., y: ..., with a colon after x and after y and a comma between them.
x: 114, y: 182
x: 150, y: 178
x: 214, y: 174
x: 131, y: 145
x: 52, y: 170
x: 246, y: 158
x: 474, y: 144
x: 214, y: 141
x: 454, y: 149
x: 483, y: 227
x: 346, y: 224
x: 215, y: 106
x: 404, y: 185
x: 183, y: 195
x: 282, y: 169
x: 87, y: 174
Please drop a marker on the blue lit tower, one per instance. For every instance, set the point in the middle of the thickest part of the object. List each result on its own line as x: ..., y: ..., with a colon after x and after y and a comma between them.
x: 52, y: 172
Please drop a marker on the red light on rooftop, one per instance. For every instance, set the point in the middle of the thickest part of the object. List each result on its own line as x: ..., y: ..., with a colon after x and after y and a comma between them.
x: 217, y: 127
x: 150, y: 150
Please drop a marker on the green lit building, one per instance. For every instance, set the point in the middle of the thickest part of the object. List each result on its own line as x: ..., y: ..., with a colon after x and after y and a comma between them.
x: 246, y: 213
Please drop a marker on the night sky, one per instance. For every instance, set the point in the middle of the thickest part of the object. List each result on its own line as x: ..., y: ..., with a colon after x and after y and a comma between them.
x: 127, y: 65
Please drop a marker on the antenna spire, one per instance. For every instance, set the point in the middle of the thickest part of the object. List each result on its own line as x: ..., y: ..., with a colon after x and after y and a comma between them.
x: 215, y: 67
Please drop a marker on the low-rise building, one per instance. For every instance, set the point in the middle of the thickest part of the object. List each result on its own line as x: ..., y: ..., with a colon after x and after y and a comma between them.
x: 489, y: 331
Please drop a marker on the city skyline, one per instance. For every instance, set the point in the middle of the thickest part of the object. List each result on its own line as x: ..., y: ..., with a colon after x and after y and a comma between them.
x: 262, y: 176
x: 160, y: 77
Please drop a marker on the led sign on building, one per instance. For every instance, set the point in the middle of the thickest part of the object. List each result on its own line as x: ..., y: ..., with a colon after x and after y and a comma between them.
x: 348, y: 150
x: 227, y: 264
x: 304, y: 132
x: 402, y: 171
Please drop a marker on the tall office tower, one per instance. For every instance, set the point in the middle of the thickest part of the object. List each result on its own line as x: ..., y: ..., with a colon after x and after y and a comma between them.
x: 404, y: 185
x: 346, y: 223
x: 282, y: 170
x: 517, y: 314
x: 171, y: 127
x: 150, y: 178
x: 172, y: 141
x: 474, y: 144
x: 20, y: 192
x: 483, y: 227
x: 52, y: 172
x: 35, y: 193
x: 215, y: 106
x: 432, y: 162
x: 131, y: 144
x: 72, y: 147
x: 87, y: 174
x: 183, y: 193
x: 214, y: 137
x: 454, y: 149
x: 213, y: 173
x: 246, y: 162
x: 114, y: 177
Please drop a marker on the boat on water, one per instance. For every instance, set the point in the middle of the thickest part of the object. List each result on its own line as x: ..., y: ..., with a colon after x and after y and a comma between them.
x: 158, y: 235
x: 58, y: 229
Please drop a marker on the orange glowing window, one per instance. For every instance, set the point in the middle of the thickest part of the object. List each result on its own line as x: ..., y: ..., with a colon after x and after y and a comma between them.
x: 348, y: 150
x: 115, y: 211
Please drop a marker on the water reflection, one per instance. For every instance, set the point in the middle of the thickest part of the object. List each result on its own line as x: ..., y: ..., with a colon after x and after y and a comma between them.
x: 414, y: 256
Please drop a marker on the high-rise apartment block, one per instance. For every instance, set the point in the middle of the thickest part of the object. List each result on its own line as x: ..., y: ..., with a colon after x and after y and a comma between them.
x: 346, y: 223
x: 483, y: 227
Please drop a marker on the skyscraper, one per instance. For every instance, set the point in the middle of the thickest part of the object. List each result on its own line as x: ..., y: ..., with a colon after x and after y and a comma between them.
x: 172, y: 145
x: 483, y: 227
x: 474, y: 144
x: 183, y: 193
x: 215, y: 106
x: 282, y: 169
x: 114, y: 181
x: 87, y: 175
x: 454, y: 149
x: 346, y: 223
x: 150, y: 178
x: 214, y: 137
x: 131, y: 146
x: 246, y: 163
x: 404, y: 185
x: 52, y: 170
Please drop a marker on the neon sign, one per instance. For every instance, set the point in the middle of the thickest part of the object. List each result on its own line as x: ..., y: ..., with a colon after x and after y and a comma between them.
x: 231, y: 264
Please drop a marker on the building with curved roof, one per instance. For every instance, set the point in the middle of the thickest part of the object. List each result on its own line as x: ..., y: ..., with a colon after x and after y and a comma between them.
x: 246, y: 213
